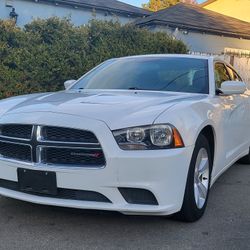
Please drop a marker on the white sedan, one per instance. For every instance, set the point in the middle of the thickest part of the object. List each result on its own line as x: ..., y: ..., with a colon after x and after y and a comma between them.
x: 139, y: 135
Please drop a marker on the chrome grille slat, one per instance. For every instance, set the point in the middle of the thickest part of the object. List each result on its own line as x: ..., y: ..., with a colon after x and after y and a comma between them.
x: 8, y: 137
x: 85, y: 152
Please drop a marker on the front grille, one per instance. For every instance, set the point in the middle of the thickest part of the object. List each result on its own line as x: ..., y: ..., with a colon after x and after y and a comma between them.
x: 68, y: 194
x: 15, y: 151
x: 73, y: 156
x: 67, y: 135
x: 51, y: 145
x: 16, y: 131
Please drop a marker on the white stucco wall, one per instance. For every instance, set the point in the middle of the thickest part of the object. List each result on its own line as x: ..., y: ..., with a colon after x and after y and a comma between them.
x: 214, y: 45
x: 27, y: 11
x: 206, y: 43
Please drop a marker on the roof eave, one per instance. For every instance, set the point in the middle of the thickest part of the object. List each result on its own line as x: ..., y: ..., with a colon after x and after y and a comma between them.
x: 195, y: 28
x: 90, y: 6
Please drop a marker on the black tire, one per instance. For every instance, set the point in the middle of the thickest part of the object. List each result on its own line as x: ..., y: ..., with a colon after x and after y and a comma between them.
x: 245, y: 159
x: 190, y: 211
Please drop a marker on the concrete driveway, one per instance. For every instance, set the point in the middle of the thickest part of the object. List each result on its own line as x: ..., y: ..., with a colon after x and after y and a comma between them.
x: 226, y: 224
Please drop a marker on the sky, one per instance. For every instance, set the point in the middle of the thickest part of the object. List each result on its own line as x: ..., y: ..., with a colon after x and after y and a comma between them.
x: 140, y: 2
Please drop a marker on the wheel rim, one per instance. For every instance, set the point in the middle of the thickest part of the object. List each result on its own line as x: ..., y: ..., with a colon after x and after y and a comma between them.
x: 201, y: 178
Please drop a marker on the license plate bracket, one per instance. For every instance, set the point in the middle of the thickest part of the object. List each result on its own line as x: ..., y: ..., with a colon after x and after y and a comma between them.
x: 40, y: 182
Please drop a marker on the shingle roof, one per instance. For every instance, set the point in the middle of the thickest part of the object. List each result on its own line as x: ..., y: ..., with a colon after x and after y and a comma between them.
x: 108, y: 5
x: 193, y: 17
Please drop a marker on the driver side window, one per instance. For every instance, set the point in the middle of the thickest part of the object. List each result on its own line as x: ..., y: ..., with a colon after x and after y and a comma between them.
x: 221, y: 74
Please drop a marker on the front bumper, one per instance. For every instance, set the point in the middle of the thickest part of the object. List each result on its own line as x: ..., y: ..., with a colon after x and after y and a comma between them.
x: 162, y: 172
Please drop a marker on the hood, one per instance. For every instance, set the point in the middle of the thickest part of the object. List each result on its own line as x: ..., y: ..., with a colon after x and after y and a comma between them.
x: 118, y: 109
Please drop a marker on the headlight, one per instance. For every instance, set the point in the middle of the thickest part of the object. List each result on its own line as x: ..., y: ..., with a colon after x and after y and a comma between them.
x: 153, y: 137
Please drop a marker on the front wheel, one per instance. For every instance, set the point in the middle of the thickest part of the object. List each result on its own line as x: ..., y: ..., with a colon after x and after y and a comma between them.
x: 198, y: 182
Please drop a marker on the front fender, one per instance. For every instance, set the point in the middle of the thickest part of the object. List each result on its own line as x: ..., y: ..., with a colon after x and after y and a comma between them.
x: 190, y: 119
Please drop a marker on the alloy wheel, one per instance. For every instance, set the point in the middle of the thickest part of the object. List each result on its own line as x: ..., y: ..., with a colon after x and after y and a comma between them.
x: 201, y: 178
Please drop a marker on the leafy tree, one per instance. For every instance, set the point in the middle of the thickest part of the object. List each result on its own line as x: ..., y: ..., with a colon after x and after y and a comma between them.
x: 155, y: 5
x: 45, y: 53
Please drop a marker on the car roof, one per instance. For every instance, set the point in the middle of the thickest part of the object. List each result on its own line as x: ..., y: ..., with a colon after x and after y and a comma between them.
x: 170, y: 55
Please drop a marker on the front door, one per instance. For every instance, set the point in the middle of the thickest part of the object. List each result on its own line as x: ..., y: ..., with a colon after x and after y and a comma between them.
x: 235, y: 116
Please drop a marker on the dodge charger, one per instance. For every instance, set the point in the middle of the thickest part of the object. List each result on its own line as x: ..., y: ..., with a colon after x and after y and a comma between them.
x: 146, y: 135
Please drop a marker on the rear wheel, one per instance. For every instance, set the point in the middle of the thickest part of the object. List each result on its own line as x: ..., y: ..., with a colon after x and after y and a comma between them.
x: 198, y: 182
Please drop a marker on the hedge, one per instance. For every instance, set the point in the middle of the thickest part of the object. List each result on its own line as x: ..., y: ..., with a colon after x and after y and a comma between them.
x: 45, y: 53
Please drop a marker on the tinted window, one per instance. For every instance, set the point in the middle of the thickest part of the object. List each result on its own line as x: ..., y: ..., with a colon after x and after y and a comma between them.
x: 152, y: 73
x: 221, y: 74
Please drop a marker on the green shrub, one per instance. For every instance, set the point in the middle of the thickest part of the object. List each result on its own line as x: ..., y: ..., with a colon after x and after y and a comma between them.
x: 45, y: 53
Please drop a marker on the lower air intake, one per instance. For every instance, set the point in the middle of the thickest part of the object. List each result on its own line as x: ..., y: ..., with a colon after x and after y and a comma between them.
x: 138, y: 196
x: 68, y: 194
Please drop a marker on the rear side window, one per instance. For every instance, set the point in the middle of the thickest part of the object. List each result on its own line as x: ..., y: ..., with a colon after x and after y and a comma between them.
x: 221, y: 74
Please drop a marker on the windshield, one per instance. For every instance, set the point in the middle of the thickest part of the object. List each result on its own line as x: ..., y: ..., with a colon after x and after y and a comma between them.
x: 149, y: 73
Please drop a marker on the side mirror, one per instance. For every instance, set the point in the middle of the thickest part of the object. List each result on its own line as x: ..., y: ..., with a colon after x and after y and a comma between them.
x: 233, y: 87
x: 69, y: 83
